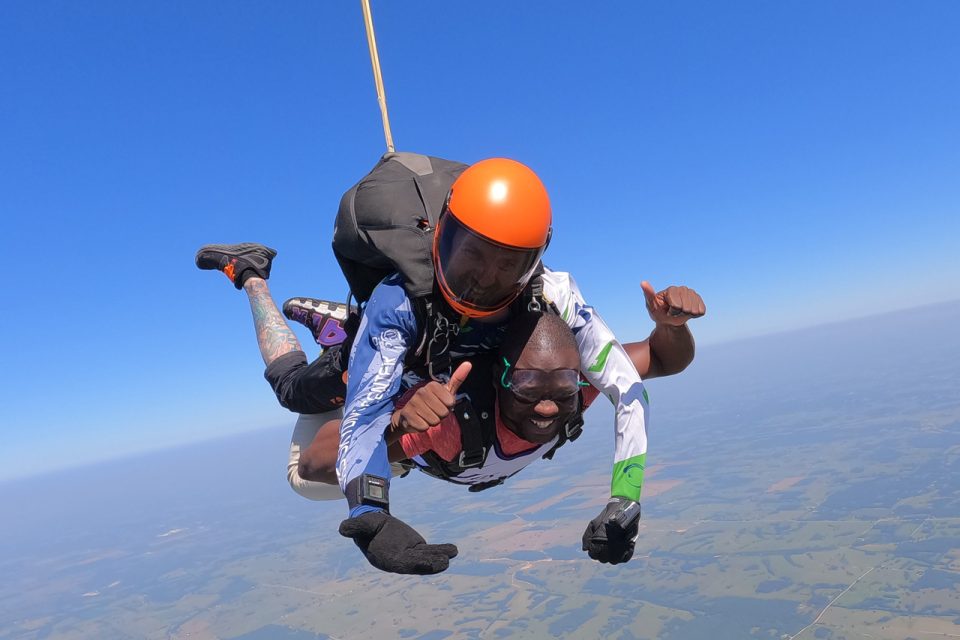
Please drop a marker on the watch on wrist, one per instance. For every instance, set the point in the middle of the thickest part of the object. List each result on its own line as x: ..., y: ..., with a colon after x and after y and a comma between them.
x: 374, y: 491
x: 626, y: 513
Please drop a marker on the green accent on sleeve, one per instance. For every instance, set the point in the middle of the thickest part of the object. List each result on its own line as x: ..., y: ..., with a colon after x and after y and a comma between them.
x: 601, y: 361
x: 628, y: 477
x: 646, y: 398
x: 566, y: 314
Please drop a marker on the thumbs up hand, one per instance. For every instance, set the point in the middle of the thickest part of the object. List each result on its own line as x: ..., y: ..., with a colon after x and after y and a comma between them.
x: 430, y: 404
x: 674, y: 305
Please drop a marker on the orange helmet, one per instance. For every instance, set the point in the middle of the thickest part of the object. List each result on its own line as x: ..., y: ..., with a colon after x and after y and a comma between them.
x: 491, y: 235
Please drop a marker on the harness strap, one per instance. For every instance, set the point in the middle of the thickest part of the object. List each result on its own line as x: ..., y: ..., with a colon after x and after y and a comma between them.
x: 481, y: 486
x: 571, y: 431
x: 421, y: 312
x: 534, y: 303
x: 438, y: 346
x: 473, y: 451
x: 437, y: 467
x: 436, y: 331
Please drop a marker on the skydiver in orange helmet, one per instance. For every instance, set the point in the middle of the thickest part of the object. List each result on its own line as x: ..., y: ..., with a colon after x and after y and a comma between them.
x: 490, y: 239
x: 494, y: 228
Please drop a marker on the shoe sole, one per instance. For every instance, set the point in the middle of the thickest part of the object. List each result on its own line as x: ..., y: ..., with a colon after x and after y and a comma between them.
x: 250, y: 251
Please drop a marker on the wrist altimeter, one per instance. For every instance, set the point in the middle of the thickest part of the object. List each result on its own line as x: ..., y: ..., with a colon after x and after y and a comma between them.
x: 369, y: 490
x: 625, y: 514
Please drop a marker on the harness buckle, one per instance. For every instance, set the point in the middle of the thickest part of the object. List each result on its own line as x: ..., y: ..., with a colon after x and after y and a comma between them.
x: 574, y: 428
x: 466, y: 461
x: 439, y: 344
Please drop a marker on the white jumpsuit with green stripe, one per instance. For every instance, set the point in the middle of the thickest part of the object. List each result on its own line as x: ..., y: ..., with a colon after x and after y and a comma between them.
x: 608, y: 367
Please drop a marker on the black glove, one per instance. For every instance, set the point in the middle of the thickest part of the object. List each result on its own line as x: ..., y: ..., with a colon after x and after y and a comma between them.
x: 611, y: 535
x: 392, y: 545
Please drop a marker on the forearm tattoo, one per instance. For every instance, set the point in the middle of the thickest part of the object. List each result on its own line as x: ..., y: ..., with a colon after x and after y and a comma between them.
x: 273, y: 335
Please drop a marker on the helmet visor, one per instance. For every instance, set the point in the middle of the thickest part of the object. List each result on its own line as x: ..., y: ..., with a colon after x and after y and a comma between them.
x: 479, y: 273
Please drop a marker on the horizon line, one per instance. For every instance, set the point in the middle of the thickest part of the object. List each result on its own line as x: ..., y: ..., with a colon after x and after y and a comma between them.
x: 830, y: 323
x: 14, y: 479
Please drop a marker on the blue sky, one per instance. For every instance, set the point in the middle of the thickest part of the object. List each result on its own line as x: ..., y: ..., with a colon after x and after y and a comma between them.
x: 795, y: 162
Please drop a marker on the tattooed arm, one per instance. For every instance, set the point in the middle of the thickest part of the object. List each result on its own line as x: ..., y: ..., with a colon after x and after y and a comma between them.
x: 273, y: 335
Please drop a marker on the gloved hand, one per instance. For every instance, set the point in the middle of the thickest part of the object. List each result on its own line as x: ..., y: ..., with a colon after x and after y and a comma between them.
x: 610, y: 536
x: 392, y: 545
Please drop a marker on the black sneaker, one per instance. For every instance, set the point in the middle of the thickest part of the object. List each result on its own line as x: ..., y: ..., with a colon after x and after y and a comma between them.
x: 324, y: 318
x: 237, y: 261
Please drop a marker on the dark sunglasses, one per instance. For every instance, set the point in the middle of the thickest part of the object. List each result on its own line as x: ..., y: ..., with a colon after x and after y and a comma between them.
x: 531, y: 386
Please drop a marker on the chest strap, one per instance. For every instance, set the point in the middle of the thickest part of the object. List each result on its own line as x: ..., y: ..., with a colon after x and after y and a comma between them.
x: 571, y: 431
x: 473, y: 448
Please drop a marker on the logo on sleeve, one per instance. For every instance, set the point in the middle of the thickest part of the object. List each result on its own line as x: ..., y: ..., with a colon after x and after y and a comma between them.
x: 389, y: 341
x: 633, y: 474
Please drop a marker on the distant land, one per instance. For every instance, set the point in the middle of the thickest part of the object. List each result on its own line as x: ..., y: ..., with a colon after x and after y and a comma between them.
x: 802, y: 485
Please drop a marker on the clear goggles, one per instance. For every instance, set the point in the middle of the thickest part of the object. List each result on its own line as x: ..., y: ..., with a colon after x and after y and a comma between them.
x: 531, y: 386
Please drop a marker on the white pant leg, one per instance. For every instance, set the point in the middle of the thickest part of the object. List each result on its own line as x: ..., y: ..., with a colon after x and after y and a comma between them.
x: 304, y: 432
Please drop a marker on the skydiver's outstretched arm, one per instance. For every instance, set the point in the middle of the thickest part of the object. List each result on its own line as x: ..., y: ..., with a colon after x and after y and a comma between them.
x: 670, y: 347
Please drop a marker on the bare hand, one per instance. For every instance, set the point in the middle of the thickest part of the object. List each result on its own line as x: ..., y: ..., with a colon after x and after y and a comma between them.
x: 431, y: 403
x: 674, y: 305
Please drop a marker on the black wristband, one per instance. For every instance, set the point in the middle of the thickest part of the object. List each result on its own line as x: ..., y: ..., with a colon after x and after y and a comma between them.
x: 369, y: 490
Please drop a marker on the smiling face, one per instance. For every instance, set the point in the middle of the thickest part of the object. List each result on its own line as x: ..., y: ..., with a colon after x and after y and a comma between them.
x: 483, y: 271
x: 477, y: 272
x: 542, y: 392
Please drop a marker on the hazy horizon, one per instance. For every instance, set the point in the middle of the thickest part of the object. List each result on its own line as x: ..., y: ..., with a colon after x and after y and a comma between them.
x: 794, y: 478
x: 793, y: 163
x: 284, y: 428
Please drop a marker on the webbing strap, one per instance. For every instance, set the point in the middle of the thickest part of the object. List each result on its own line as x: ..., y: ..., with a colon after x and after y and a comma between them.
x: 571, y: 430
x: 473, y: 452
x: 536, y: 293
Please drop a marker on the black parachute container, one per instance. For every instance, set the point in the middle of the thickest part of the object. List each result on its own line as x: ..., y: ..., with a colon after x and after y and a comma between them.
x: 386, y: 221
